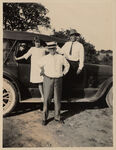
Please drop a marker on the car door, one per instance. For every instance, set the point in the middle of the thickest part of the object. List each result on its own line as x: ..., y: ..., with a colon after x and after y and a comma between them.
x: 23, y: 65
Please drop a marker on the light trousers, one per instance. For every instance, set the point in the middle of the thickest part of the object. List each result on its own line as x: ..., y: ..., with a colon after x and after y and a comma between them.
x: 52, y: 87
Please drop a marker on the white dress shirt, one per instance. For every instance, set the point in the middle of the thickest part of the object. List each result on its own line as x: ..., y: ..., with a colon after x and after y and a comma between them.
x: 77, y: 52
x: 53, y: 65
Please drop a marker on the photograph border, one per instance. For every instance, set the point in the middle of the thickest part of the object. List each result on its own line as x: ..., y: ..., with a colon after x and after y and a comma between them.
x: 114, y: 80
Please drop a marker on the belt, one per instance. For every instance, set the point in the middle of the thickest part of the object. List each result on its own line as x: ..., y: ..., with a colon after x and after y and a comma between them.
x: 73, y: 60
x: 52, y: 77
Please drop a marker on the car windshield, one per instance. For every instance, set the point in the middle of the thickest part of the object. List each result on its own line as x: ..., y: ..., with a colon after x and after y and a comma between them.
x: 8, y: 45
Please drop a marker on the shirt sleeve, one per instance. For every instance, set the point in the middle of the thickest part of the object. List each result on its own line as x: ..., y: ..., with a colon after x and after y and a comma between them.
x: 81, y: 57
x: 66, y: 65
x: 28, y: 54
x: 60, y: 50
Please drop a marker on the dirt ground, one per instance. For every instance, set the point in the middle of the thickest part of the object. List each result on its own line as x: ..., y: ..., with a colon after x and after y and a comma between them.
x: 86, y: 125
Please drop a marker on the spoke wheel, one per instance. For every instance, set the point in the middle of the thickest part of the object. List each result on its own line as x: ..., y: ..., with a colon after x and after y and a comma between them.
x: 9, y: 97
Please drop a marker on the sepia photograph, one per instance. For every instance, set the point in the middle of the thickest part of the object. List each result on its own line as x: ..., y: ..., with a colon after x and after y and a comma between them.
x: 57, y: 73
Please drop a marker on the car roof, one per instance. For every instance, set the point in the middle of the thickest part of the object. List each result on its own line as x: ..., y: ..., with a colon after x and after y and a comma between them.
x: 29, y: 36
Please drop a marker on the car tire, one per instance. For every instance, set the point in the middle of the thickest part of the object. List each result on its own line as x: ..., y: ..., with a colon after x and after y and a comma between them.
x: 109, y: 98
x: 9, y: 96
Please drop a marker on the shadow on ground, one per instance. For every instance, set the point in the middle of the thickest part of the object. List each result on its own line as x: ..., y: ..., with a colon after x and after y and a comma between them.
x: 69, y: 109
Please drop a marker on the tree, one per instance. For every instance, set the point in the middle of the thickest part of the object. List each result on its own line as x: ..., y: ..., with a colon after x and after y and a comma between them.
x: 107, y: 58
x: 64, y: 34
x: 24, y: 16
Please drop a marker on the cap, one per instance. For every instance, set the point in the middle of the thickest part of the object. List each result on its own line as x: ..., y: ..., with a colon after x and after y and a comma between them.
x: 74, y: 32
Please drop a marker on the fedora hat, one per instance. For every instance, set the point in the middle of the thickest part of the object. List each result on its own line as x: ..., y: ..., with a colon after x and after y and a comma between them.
x: 74, y: 32
x: 51, y: 45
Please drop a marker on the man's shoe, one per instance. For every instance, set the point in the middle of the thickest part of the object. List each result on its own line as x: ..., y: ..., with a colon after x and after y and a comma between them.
x: 44, y: 122
x: 59, y: 121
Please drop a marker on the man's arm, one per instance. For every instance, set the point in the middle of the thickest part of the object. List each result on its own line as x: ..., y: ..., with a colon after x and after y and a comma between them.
x: 60, y: 51
x: 81, y: 59
x: 66, y: 65
x: 41, y: 64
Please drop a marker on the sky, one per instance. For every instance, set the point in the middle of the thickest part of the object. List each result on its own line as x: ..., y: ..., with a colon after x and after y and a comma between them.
x: 92, y: 18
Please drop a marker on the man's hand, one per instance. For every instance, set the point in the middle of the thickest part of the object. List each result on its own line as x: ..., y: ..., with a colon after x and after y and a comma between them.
x: 16, y: 58
x: 78, y: 71
x: 42, y: 72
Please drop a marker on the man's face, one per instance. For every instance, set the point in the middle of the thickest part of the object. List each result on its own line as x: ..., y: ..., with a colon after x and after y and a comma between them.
x: 52, y: 51
x: 22, y: 47
x: 73, y: 37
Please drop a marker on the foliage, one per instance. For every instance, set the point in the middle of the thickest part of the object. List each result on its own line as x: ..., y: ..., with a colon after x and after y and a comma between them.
x: 90, y: 51
x: 24, y: 16
x: 64, y: 34
x: 107, y: 58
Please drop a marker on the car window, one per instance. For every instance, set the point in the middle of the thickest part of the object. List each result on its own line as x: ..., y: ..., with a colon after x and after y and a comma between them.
x: 21, y: 49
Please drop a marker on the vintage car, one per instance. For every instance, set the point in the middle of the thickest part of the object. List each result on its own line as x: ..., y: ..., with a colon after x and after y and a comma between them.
x: 94, y: 82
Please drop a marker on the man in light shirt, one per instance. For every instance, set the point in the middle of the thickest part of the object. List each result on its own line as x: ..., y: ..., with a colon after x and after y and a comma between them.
x: 74, y: 53
x: 55, y: 66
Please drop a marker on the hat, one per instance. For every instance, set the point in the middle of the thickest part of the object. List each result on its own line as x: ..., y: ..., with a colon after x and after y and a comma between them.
x: 36, y: 39
x: 51, y: 45
x: 74, y: 32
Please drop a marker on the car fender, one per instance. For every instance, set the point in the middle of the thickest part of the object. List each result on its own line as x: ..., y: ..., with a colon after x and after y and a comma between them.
x: 106, y: 85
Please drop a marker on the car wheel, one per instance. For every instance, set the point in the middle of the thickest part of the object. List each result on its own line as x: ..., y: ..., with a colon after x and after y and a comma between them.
x: 109, y: 98
x: 9, y: 97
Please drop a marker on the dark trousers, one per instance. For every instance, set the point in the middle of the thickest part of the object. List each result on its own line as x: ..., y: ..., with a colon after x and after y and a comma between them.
x: 71, y: 76
x: 52, y: 86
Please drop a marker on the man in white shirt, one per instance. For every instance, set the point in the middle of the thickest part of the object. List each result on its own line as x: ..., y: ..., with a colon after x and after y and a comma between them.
x: 74, y: 53
x: 55, y: 66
